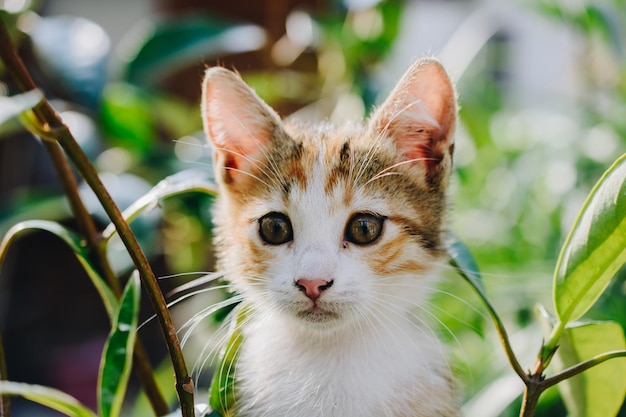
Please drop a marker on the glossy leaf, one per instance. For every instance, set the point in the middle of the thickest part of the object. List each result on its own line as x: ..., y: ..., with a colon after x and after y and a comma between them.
x: 49, y: 397
x: 599, y: 391
x: 595, y: 248
x: 11, y: 107
x: 187, y: 181
x: 171, y: 44
x: 117, y: 357
x: 460, y: 257
x: 76, y: 244
x: 222, y: 396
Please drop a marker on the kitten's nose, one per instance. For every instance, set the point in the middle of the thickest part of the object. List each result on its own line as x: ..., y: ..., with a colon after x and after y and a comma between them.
x: 313, y: 288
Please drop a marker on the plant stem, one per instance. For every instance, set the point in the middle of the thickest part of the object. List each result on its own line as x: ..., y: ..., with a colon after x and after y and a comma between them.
x: 502, y: 333
x: 84, y: 221
x: 5, y: 400
x: 532, y: 392
x: 141, y: 363
x: 49, y: 119
x: 550, y: 346
x: 184, y: 383
x: 583, y: 366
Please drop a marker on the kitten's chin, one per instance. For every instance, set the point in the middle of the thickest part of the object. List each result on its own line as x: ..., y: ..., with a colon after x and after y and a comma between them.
x: 318, y: 315
x: 321, y: 319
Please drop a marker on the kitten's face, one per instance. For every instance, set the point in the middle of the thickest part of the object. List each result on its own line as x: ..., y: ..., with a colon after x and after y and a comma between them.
x: 331, y: 225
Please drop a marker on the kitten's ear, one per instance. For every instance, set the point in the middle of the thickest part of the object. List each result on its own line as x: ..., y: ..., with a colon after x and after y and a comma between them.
x: 238, y: 122
x: 420, y: 116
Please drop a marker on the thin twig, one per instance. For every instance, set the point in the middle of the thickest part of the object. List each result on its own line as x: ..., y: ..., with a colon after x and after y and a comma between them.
x: 583, y: 366
x: 48, y: 118
x: 501, y: 330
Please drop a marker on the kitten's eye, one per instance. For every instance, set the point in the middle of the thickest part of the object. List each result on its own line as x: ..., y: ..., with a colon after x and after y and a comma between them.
x: 275, y: 228
x: 364, y: 228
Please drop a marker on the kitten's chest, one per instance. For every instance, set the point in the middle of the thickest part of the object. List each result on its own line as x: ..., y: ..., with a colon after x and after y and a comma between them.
x: 369, y: 375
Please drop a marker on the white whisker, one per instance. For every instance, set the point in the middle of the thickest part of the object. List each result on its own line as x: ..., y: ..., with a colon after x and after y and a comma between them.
x: 184, y: 274
x: 206, y: 279
x: 194, y: 144
x: 182, y: 298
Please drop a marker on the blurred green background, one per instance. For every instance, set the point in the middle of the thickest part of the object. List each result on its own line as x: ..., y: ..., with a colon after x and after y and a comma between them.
x: 542, y: 93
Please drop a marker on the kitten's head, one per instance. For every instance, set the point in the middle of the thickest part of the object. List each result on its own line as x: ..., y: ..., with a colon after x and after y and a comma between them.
x: 328, y: 224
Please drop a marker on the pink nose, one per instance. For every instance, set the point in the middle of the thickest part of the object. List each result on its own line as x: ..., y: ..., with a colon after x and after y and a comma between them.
x: 313, y: 288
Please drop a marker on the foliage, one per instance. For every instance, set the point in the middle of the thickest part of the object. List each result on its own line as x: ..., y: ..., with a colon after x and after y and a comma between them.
x: 507, y: 206
x: 116, y: 360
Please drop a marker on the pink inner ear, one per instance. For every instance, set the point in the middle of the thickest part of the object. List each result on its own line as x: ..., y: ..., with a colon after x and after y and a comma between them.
x: 419, y: 115
x: 420, y: 141
x: 230, y: 162
x: 237, y: 121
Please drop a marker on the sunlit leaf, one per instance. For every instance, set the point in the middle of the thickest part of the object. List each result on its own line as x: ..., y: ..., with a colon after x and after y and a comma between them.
x: 222, y: 398
x: 595, y: 248
x: 49, y: 397
x: 127, y: 117
x: 599, y: 391
x: 117, y: 357
x: 76, y: 244
x: 171, y: 44
x: 462, y: 260
x: 11, y: 107
x: 184, y: 182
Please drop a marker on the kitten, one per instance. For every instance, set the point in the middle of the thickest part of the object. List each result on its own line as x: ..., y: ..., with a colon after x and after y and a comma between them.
x: 331, y: 234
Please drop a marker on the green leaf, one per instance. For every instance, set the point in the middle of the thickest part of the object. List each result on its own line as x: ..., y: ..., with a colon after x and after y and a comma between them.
x: 171, y: 44
x: 599, y: 391
x: 184, y: 182
x: 117, y: 357
x: 11, y: 107
x: 134, y: 117
x: 462, y: 260
x: 50, y: 397
x: 595, y: 248
x: 76, y: 244
x: 128, y: 117
x: 222, y: 398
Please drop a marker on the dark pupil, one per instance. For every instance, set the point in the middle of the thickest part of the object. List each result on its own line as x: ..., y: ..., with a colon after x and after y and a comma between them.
x: 364, y: 228
x: 275, y: 228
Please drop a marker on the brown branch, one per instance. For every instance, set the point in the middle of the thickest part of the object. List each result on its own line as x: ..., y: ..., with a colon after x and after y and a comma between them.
x: 184, y: 383
x: 50, y: 120
x: 532, y: 392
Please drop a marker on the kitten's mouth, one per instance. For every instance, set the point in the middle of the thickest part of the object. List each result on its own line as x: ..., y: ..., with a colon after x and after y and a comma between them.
x: 317, y: 314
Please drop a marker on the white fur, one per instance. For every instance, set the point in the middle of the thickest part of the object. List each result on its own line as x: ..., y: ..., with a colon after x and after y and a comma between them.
x: 376, y: 359
x: 373, y: 369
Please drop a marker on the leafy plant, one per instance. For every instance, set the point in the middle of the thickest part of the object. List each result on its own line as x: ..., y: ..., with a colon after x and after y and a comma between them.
x: 592, y: 254
x: 44, y: 122
x: 590, y: 257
